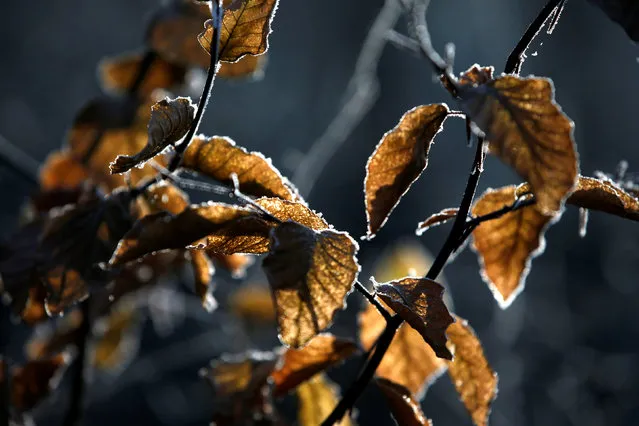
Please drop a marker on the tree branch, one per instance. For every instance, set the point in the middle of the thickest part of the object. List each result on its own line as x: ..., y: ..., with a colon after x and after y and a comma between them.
x: 371, y: 298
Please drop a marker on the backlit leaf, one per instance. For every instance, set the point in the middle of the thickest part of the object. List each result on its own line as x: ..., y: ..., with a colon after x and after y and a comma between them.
x: 219, y: 157
x: 299, y: 365
x: 34, y: 381
x: 507, y: 245
x: 117, y: 337
x: 317, y: 399
x: 244, y: 31
x: 310, y: 274
x: 254, y: 303
x: 398, y: 160
x: 62, y: 170
x: 203, y: 277
x: 248, y: 67
x: 418, y: 301
x: 408, y: 361
x: 528, y: 131
x: 623, y: 12
x: 474, y: 75
x: 605, y: 196
x: 236, y: 264
x: 436, y: 220
x: 469, y: 371
x: 170, y: 121
x: 405, y: 409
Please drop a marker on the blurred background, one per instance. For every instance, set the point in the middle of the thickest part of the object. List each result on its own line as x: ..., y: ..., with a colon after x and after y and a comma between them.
x: 567, y: 349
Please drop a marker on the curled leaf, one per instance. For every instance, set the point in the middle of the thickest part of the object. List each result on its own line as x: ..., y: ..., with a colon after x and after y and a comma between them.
x: 298, y: 365
x: 203, y: 276
x: 528, y: 131
x: 469, y: 371
x: 605, y: 196
x: 170, y: 121
x: 398, y: 160
x: 317, y: 398
x: 219, y: 157
x: 310, y: 274
x: 405, y: 409
x: 507, y: 245
x: 436, y: 220
x: 418, y: 301
x: 236, y: 264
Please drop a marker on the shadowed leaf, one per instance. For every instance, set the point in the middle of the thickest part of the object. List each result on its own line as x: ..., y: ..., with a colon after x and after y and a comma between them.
x: 117, y: 337
x: 528, y: 131
x: 418, y: 301
x: 623, y: 12
x: 34, y: 381
x: 436, y: 220
x: 310, y: 274
x: 408, y: 361
x: 317, y: 398
x: 469, y: 371
x: 170, y: 121
x: 298, y: 365
x: 406, y: 411
x: 507, y: 245
x: 218, y: 157
x: 398, y: 160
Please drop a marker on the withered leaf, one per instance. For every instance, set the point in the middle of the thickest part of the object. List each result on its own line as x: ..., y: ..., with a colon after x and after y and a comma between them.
x: 317, y: 399
x: 528, y: 131
x: 418, y: 301
x: 117, y: 337
x: 118, y: 74
x: 203, y: 277
x: 623, y: 12
x: 61, y: 170
x: 507, y: 245
x: 474, y: 75
x: 398, y: 160
x: 164, y: 196
x: 254, y: 303
x: 436, y: 220
x: 310, y: 274
x: 298, y: 365
x: 248, y: 67
x: 236, y: 264
x: 405, y: 409
x: 408, y: 361
x: 469, y: 371
x: 219, y: 157
x: 605, y: 196
x: 244, y: 30
x: 170, y: 121
x: 33, y: 382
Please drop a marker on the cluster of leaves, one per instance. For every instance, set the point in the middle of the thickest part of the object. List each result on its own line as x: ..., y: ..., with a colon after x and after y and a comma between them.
x: 110, y: 218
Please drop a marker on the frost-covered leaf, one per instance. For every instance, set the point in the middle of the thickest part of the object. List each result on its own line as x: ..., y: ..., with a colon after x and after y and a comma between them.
x: 405, y: 409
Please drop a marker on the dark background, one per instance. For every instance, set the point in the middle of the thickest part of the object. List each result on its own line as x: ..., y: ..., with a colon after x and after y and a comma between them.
x: 567, y: 350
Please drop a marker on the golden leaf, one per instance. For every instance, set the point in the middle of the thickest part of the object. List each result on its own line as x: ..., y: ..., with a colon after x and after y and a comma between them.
x: 203, y: 276
x: 170, y: 121
x: 317, y: 399
x: 605, y: 196
x: 408, y: 361
x: 398, y: 160
x: 405, y: 409
x: 236, y: 264
x: 61, y: 170
x: 34, y: 381
x: 469, y: 371
x: 245, y: 30
x: 436, y: 220
x: 418, y: 301
x: 528, y: 131
x: 218, y: 157
x: 254, y: 303
x: 164, y: 196
x: 248, y: 67
x: 298, y: 365
x: 507, y: 245
x: 117, y: 337
x: 310, y: 274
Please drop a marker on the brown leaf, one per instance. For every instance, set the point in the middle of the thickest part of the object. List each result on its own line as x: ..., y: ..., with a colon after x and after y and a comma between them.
x: 418, y: 301
x: 254, y: 303
x: 317, y: 399
x: 61, y: 170
x: 170, y: 121
x: 528, y: 131
x: 605, y: 196
x: 507, y: 245
x: 310, y: 274
x: 53, y: 341
x: 166, y: 197
x: 405, y: 409
x: 117, y: 74
x: 408, y: 361
x: 474, y: 75
x: 34, y: 381
x: 236, y: 264
x: 248, y: 67
x: 244, y: 30
x: 298, y: 365
x: 436, y: 220
x: 117, y: 337
x: 35, y: 308
x: 469, y: 371
x: 218, y: 157
x: 398, y: 160
x: 203, y: 276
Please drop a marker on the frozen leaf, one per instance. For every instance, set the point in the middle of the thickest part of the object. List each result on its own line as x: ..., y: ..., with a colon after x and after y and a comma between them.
x: 623, y: 12
x: 244, y: 31
x: 310, y: 274
x: 405, y: 409
x: 528, y: 131
x: 118, y: 74
x: 469, y: 371
x: 605, y: 196
x: 170, y: 121
x: 418, y: 301
x: 34, y: 381
x: 203, y: 276
x: 398, y: 160
x: 507, y: 245
x: 299, y: 365
x: 253, y: 302
x: 218, y: 157
x: 317, y: 399
x: 436, y: 220
x: 248, y: 67
x: 408, y: 361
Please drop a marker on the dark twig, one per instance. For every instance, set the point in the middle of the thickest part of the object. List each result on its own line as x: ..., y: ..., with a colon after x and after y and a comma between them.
x: 371, y: 298
x: 78, y: 391
x: 145, y: 65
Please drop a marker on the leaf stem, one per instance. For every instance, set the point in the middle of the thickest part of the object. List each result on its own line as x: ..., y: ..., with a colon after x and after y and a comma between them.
x: 373, y: 300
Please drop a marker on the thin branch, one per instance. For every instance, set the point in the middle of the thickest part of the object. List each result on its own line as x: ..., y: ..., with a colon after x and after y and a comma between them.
x: 403, y: 42
x: 18, y: 161
x: 363, y: 89
x: 373, y: 300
